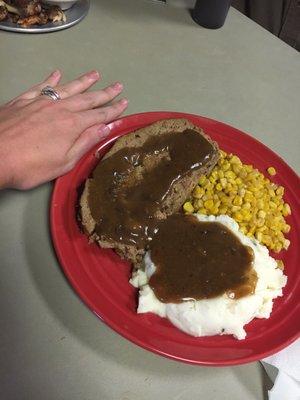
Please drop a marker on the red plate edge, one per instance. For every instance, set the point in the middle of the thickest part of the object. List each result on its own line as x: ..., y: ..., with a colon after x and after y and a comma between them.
x: 136, y: 121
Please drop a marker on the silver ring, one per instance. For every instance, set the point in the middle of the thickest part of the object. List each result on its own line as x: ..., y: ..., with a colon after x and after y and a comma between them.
x: 50, y: 92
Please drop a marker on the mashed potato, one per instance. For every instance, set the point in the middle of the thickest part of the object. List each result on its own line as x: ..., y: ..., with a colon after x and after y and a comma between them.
x: 220, y: 315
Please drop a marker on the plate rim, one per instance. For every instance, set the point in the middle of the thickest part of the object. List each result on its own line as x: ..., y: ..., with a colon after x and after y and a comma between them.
x: 80, y: 293
x: 82, y: 5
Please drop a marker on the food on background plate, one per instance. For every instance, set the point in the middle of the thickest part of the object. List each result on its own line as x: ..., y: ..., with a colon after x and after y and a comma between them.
x: 145, y: 177
x: 205, y: 273
x: 211, y: 283
x: 242, y: 192
x: 30, y: 12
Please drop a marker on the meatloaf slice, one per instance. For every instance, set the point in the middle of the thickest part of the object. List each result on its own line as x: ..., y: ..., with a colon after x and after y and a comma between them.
x: 176, y: 196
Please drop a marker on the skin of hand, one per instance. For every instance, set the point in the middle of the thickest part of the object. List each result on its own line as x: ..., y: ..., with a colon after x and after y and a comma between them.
x: 41, y: 139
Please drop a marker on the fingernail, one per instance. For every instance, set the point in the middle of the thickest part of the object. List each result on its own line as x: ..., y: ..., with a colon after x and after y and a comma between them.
x: 56, y: 73
x: 117, y: 85
x: 93, y: 74
x: 103, y: 131
x: 124, y: 102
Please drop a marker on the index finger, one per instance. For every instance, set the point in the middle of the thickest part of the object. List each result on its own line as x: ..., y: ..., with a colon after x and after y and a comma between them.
x: 35, y: 91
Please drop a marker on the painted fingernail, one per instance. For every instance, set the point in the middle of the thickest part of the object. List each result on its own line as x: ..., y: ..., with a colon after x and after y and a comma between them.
x: 117, y: 85
x: 103, y: 131
x: 124, y: 102
x: 93, y: 74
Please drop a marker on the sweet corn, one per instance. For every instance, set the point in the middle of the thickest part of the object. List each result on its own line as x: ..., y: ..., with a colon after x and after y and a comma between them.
x: 188, y: 207
x: 286, y: 210
x: 202, y: 211
x: 202, y: 180
x: 237, y: 201
x: 271, y: 171
x: 198, y: 192
x: 280, y: 191
x: 242, y: 192
x: 280, y: 264
x: 261, y: 214
x: 208, y: 204
x: 286, y: 228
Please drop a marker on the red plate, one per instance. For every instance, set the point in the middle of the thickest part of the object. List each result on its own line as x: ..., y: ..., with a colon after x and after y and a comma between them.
x: 100, y: 277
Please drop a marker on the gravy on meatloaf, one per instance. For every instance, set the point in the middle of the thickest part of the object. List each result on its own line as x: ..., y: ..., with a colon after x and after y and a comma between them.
x: 128, y: 188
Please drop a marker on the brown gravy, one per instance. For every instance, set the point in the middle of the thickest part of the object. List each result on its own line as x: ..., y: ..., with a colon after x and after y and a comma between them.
x: 199, y: 260
x: 129, y: 188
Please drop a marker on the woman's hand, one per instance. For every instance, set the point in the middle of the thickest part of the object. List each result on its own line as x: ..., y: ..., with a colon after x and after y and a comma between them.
x: 41, y: 139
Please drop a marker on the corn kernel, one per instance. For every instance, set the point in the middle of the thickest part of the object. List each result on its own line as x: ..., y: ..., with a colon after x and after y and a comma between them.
x: 260, y: 204
x: 260, y: 222
x: 286, y: 228
x: 277, y: 247
x: 241, y: 191
x: 280, y: 264
x: 235, y: 208
x: 266, y: 239
x: 223, y: 210
x: 286, y: 210
x: 248, y: 196
x: 236, y: 169
x: 258, y: 236
x: 238, y: 217
x: 223, y: 182
x: 230, y: 174
x: 243, y: 229
x: 188, y: 207
x: 261, y: 214
x: 247, y: 216
x: 235, y: 160
x: 202, y: 180
x: 226, y: 166
x: 237, y: 201
x: 202, y: 211
x: 220, y: 174
x: 271, y: 171
x: 208, y: 204
x: 198, y: 203
x: 280, y: 191
x: 198, y: 192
